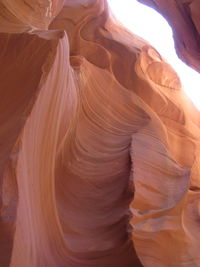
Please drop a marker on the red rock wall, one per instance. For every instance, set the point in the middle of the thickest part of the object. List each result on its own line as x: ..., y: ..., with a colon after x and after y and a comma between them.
x: 100, y: 146
x: 183, y: 17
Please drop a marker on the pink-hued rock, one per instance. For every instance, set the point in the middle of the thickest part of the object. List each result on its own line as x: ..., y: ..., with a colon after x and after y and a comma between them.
x: 18, y: 16
x: 21, y: 77
x: 100, y: 146
x: 184, y: 18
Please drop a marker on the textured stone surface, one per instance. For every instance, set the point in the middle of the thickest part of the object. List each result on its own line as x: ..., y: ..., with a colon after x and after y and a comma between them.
x: 184, y: 18
x: 100, y: 150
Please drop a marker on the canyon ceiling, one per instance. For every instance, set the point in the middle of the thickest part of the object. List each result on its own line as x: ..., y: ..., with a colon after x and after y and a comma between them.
x: 100, y: 146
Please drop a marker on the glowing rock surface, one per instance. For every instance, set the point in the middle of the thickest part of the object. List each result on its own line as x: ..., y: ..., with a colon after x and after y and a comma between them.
x: 100, y: 147
x: 184, y: 18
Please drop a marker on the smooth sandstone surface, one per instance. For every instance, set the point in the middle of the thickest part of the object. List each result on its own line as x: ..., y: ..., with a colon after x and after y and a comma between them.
x: 183, y: 17
x: 100, y: 147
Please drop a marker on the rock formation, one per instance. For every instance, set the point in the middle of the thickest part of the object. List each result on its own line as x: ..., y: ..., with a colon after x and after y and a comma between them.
x: 99, y: 163
x: 184, y: 18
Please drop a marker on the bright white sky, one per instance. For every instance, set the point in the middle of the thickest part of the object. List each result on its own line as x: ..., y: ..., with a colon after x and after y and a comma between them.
x: 151, y: 26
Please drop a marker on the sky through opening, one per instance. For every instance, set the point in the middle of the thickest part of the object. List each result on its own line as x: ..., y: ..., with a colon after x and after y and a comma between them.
x: 151, y: 26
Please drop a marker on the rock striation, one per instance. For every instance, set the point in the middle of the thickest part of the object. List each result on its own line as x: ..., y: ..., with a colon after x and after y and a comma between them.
x: 100, y: 147
x: 183, y: 17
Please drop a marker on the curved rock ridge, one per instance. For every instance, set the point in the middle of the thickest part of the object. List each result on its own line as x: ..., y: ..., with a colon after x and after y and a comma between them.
x: 100, y: 146
x: 183, y: 17
x: 24, y: 15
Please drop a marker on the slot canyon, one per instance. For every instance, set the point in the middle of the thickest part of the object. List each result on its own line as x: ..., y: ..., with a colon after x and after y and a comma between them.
x: 100, y: 146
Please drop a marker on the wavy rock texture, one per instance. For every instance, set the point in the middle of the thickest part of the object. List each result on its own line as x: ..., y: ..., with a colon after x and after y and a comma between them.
x: 184, y: 18
x: 100, y: 150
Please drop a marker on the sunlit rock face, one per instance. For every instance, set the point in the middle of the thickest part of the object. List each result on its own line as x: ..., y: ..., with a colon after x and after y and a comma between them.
x: 100, y: 152
x: 184, y: 18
